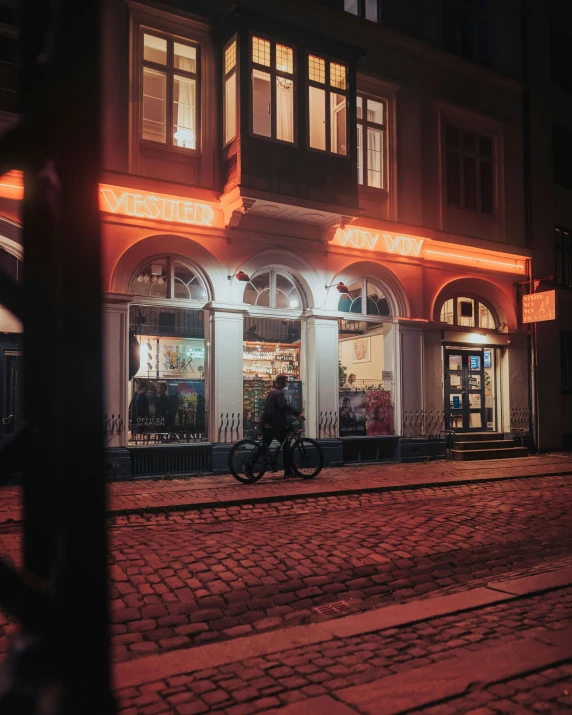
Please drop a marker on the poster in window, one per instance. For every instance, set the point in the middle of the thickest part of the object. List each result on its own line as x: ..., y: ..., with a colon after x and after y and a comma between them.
x: 352, y: 414
x: 379, y: 411
x: 475, y: 402
x: 455, y: 402
x: 474, y: 382
x: 474, y: 362
x: 475, y: 420
x: 148, y: 408
x: 455, y: 380
x: 167, y: 358
x: 455, y: 362
x: 187, y: 406
x: 293, y: 394
x: 487, y: 358
x: 361, y: 350
x: 254, y: 399
x: 168, y: 406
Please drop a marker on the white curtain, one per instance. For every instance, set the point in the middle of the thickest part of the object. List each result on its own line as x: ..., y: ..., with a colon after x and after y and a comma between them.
x: 185, y: 112
x: 284, y: 109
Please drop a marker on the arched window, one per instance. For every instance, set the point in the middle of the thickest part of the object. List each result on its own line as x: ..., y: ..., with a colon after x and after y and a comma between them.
x: 168, y: 277
x: 467, y: 312
x: 375, y: 303
x: 273, y: 289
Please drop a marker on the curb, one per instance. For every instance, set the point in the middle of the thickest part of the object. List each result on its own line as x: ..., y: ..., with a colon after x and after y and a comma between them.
x: 295, y: 496
x: 177, y: 662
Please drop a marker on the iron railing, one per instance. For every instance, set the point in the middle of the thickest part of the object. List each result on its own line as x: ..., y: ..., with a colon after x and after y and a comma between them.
x: 423, y: 423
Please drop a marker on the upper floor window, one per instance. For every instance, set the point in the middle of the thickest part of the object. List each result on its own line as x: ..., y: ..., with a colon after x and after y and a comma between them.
x: 467, y: 312
x: 327, y: 105
x: 370, y: 9
x: 566, y: 360
x: 467, y: 26
x: 561, y: 58
x: 563, y: 240
x: 230, y: 97
x: 470, y: 170
x: 272, y: 66
x: 169, y: 278
x: 170, y: 78
x: 371, y: 138
x: 562, y: 155
x: 273, y: 289
x: 375, y: 303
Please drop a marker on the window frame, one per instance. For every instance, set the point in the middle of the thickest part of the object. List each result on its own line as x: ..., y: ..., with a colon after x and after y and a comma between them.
x: 364, y: 303
x: 274, y: 74
x: 477, y: 300
x: 225, y: 77
x: 363, y: 122
x: 361, y: 11
x: 328, y: 89
x: 273, y: 272
x: 170, y: 297
x: 479, y: 159
x: 563, y: 256
x: 170, y: 71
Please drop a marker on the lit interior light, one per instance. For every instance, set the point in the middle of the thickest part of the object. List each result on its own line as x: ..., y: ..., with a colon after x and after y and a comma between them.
x: 185, y: 137
x: 294, y: 303
x: 478, y: 339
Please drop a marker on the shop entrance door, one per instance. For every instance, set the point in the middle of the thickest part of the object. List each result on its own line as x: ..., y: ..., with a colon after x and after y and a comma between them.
x: 465, y: 409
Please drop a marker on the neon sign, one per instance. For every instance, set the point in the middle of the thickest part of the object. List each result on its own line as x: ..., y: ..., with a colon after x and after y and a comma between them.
x: 537, y: 307
x: 155, y: 207
x: 357, y: 238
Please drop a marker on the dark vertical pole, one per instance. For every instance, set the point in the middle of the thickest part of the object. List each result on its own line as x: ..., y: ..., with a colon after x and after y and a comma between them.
x: 64, y: 489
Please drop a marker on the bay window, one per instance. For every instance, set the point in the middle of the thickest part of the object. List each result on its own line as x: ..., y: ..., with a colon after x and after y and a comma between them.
x: 169, y: 102
x: 272, y: 72
x: 371, y: 142
x: 327, y: 105
x: 230, y: 97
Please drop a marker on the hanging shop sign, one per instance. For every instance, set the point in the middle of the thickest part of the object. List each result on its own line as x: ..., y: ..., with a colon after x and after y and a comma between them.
x: 416, y: 247
x: 155, y: 207
x: 537, y: 307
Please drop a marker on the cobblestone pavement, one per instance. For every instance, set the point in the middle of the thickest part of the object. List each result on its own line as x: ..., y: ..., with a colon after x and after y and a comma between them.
x: 548, y: 691
x: 258, y: 684
x: 156, y: 493
x: 217, y: 573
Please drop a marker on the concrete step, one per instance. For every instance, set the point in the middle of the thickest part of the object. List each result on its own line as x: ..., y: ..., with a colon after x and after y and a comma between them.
x: 476, y: 454
x: 479, y: 436
x: 489, y: 444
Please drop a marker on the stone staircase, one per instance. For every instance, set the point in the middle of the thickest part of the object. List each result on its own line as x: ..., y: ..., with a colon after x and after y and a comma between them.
x: 484, y: 445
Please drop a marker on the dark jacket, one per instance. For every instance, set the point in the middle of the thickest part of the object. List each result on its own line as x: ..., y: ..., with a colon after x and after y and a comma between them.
x: 141, y: 405
x: 277, y: 409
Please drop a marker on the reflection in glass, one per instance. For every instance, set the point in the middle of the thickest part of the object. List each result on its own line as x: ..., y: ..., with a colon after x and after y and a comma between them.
x: 152, y: 280
x: 187, y: 283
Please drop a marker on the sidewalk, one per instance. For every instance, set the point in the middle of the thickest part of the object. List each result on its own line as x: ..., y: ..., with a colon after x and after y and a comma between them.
x: 148, y: 495
x: 396, y: 659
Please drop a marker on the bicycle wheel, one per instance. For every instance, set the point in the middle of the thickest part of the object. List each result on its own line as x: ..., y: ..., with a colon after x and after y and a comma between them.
x: 307, y: 457
x: 242, y: 455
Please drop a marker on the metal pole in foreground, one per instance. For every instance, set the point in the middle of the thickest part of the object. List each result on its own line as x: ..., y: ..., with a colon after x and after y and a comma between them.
x: 57, y: 143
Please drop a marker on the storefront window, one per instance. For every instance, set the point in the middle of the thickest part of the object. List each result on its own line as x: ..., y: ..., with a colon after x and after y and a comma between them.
x: 366, y: 381
x: 467, y: 312
x: 271, y: 347
x: 169, y: 278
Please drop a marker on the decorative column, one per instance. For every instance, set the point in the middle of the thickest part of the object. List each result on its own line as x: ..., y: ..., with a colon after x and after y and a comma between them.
x: 225, y: 381
x: 115, y: 381
x: 412, y: 398
x: 322, y: 377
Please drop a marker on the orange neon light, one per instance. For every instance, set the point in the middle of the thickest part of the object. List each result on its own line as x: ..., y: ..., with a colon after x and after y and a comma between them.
x: 12, y: 185
x: 466, y: 257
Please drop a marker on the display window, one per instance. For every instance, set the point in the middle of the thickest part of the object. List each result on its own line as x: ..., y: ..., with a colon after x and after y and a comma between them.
x: 271, y: 347
x: 168, y: 387
x: 366, y: 386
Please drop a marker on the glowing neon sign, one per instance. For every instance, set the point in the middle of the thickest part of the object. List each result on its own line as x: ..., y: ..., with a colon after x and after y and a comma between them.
x: 402, y: 245
x: 155, y: 207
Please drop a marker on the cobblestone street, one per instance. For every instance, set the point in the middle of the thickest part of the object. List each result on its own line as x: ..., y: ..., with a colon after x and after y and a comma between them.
x: 185, y: 579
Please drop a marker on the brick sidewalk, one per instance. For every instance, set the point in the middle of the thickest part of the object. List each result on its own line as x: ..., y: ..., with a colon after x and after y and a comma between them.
x: 331, y: 668
x: 158, y: 494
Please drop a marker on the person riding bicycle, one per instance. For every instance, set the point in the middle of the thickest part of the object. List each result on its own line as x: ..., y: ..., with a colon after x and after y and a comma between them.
x: 275, y: 420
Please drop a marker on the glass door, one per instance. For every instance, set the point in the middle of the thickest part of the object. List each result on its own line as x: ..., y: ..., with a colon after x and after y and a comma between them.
x: 465, y: 390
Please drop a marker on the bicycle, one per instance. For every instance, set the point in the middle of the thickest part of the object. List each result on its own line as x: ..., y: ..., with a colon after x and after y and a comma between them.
x: 256, y: 456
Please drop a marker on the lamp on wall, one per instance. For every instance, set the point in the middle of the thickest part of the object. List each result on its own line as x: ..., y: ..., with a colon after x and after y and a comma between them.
x: 341, y: 288
x: 240, y: 276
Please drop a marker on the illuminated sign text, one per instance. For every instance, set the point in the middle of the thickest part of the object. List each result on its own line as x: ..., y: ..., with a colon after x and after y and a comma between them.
x: 357, y: 238
x: 537, y: 307
x: 157, y: 208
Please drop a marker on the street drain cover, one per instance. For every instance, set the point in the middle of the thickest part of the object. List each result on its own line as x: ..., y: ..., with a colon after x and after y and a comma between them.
x: 333, y: 609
